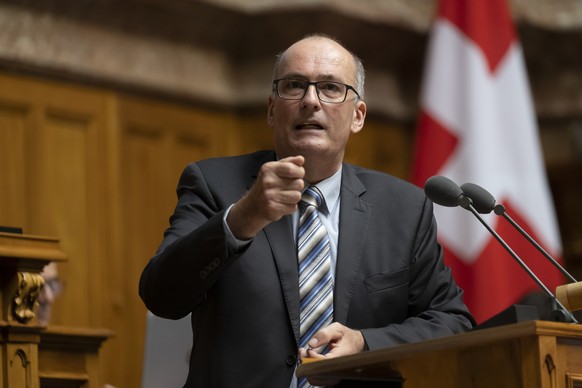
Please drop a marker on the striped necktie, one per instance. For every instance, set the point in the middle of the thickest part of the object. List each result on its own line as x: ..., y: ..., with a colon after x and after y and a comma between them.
x: 315, y: 276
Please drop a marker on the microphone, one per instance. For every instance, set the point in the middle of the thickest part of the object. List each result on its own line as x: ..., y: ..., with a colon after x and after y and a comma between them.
x: 445, y: 192
x: 484, y: 203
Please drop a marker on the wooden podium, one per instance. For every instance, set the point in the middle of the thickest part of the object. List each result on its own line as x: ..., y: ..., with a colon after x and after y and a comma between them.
x: 33, y: 356
x: 529, y: 354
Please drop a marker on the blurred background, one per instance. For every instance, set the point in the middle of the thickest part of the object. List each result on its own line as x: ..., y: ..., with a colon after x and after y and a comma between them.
x: 103, y: 102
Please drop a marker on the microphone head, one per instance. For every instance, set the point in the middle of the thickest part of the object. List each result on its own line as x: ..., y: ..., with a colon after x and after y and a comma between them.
x: 483, y: 201
x: 443, y: 191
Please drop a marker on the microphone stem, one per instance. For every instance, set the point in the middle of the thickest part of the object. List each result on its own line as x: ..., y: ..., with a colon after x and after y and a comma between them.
x: 470, y: 207
x: 538, y: 246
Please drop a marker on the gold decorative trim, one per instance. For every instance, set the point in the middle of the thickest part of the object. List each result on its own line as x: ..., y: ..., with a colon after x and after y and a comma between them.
x: 26, y: 296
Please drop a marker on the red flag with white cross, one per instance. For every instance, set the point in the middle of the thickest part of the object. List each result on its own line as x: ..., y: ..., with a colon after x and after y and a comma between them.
x: 477, y: 124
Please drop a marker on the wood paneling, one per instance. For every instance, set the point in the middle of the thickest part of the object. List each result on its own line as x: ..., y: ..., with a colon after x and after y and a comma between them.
x: 14, y: 125
x: 381, y: 147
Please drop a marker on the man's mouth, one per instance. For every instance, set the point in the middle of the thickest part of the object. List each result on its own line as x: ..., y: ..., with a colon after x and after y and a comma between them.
x: 308, y: 126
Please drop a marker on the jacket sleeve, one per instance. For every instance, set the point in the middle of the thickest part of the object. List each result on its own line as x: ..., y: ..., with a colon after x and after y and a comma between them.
x: 193, y: 254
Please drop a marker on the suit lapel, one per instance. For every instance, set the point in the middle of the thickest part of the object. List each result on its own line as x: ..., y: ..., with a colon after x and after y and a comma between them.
x: 353, y: 232
x: 280, y: 238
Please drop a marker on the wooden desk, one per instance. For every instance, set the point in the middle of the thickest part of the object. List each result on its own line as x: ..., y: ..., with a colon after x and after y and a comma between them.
x: 530, y: 354
x: 69, y: 357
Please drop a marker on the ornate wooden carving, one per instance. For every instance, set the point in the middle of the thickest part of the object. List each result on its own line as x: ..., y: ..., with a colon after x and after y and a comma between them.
x: 26, y: 296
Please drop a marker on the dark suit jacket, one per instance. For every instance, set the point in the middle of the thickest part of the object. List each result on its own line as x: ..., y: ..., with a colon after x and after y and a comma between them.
x: 390, y: 282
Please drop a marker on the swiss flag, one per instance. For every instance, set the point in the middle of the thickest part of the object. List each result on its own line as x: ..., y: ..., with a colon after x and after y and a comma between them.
x: 477, y: 124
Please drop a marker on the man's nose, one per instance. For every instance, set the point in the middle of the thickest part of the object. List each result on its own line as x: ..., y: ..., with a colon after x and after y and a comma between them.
x: 311, y: 98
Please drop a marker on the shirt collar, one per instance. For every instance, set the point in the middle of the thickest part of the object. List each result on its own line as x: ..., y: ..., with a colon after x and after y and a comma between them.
x: 330, y: 189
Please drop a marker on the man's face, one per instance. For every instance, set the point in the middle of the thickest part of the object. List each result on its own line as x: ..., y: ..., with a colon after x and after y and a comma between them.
x: 308, y: 126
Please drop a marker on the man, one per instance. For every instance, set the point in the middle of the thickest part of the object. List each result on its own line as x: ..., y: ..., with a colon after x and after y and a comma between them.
x: 230, y: 255
x: 49, y: 292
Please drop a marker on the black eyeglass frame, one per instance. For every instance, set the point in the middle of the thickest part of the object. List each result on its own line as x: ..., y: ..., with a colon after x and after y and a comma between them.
x: 315, y: 83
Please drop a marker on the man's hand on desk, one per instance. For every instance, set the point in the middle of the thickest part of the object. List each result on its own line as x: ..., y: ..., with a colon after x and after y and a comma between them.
x: 341, y: 339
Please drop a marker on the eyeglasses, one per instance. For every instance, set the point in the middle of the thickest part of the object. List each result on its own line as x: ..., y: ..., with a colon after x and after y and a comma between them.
x: 327, y: 91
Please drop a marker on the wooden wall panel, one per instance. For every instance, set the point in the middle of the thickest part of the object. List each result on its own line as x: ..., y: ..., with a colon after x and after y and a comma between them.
x: 250, y: 134
x: 14, y: 124
x: 381, y: 147
x: 68, y: 189
x: 58, y: 161
x: 145, y: 209
x: 68, y: 209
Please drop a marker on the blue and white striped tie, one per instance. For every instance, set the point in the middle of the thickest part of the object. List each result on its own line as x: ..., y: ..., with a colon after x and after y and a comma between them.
x: 315, y: 276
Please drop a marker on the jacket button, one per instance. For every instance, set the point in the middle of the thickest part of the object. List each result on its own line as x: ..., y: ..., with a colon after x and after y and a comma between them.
x: 292, y: 360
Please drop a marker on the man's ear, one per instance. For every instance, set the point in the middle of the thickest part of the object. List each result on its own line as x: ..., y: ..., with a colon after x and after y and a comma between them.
x: 359, y: 116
